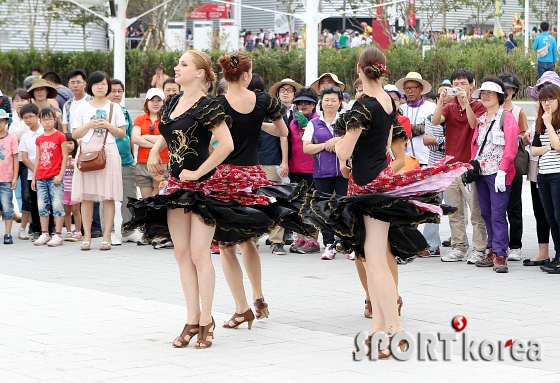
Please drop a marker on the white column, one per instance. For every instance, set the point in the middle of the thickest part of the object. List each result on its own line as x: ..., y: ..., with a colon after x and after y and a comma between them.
x: 527, y: 28
x: 312, y: 41
x: 118, y: 25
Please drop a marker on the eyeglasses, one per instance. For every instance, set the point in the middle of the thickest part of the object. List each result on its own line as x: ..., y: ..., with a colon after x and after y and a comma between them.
x: 286, y: 90
x: 76, y: 82
x: 548, y: 101
x: 331, y: 88
x: 100, y: 85
x: 47, y: 119
x: 486, y: 92
x: 119, y: 91
x: 409, y: 88
x: 152, y: 129
x: 303, y: 103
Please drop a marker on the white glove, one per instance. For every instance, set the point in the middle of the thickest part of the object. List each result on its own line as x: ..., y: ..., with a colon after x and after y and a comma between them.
x: 468, y: 188
x: 500, y: 182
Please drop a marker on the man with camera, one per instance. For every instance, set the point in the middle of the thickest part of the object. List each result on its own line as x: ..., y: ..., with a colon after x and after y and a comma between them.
x: 460, y: 119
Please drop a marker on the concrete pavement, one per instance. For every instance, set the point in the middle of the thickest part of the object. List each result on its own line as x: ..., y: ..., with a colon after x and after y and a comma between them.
x: 73, y: 316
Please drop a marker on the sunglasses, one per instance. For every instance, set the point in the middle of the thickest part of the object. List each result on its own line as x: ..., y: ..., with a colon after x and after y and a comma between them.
x: 331, y: 88
x: 152, y: 129
x: 304, y: 103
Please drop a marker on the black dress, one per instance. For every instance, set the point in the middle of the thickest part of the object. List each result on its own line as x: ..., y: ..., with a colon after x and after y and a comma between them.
x: 405, y: 199
x: 188, y: 139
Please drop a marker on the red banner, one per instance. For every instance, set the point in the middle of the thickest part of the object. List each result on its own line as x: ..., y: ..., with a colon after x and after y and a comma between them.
x: 411, y: 21
x: 380, y: 10
x: 211, y: 11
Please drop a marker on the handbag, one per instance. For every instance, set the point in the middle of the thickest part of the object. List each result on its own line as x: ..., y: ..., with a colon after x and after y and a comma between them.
x: 476, y: 172
x: 542, y: 52
x: 93, y: 161
x: 521, y: 160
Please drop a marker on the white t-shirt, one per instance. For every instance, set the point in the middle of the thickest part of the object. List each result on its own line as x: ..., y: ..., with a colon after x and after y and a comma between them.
x: 28, y: 144
x: 18, y: 129
x: 310, y: 129
x: 416, y: 116
x: 86, y: 113
x: 73, y: 107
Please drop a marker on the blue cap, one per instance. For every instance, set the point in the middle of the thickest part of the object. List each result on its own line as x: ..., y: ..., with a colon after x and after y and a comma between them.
x: 5, y: 116
x: 445, y: 82
x: 345, y: 95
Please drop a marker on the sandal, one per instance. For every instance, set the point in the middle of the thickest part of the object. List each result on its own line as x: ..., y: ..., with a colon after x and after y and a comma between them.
x: 247, y: 316
x: 261, y: 308
x: 105, y: 246
x: 85, y: 246
x: 367, y: 309
x: 206, y: 331
x: 190, y: 330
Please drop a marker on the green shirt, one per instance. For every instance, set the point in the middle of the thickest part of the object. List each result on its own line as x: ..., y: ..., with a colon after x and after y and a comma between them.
x: 124, y: 143
x: 343, y: 41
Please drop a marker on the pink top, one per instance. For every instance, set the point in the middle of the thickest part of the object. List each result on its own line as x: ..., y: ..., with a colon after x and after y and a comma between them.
x: 299, y: 162
x: 8, y: 147
x: 497, y: 157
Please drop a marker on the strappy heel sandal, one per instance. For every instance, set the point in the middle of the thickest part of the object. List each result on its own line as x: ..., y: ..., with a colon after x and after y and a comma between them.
x: 190, y: 330
x: 204, y: 333
x: 247, y: 316
x: 399, y: 304
x: 367, y: 309
x: 261, y: 308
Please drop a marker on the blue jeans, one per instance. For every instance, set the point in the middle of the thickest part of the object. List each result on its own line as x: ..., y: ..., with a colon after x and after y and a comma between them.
x: 549, y: 190
x: 50, y: 196
x: 6, y: 204
x: 544, y: 67
x: 25, y: 192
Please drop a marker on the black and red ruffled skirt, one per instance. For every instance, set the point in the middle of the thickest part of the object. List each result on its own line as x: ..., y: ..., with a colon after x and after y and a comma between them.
x: 405, y: 200
x: 239, y: 201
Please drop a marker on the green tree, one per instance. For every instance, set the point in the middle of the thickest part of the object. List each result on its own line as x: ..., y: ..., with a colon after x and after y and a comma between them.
x: 80, y: 17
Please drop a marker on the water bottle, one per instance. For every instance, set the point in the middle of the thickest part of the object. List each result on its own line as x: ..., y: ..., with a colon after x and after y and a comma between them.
x: 284, y: 180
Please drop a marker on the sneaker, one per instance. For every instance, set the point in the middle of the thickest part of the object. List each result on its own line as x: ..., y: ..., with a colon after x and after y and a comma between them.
x: 424, y: 254
x: 309, y: 247
x: 56, y: 240
x: 435, y: 253
x: 552, y: 265
x: 215, y: 247
x: 500, y: 264
x: 115, y: 240
x: 35, y: 236
x: 164, y: 243
x: 453, y: 255
x: 514, y: 255
x: 474, y: 256
x: 288, y: 237
x: 42, y: 240
x: 131, y: 236
x: 75, y: 236
x: 8, y: 239
x: 329, y: 253
x: 22, y: 234
x: 446, y: 243
x: 351, y: 256
x: 296, y: 245
x: 143, y: 241
x: 278, y: 249
x: 487, y: 261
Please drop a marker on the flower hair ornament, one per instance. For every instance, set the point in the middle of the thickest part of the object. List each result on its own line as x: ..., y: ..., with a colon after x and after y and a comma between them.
x: 233, y: 63
x: 378, y: 69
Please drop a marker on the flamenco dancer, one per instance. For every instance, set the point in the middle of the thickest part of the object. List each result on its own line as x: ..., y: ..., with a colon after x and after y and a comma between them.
x: 248, y: 110
x: 187, y: 123
x: 377, y: 197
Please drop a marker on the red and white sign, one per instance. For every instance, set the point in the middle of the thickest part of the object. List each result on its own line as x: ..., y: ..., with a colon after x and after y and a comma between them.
x: 211, y: 11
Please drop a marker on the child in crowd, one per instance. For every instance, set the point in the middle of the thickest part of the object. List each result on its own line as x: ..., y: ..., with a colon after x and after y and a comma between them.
x: 48, y: 174
x: 71, y: 207
x: 9, y: 167
x: 30, y: 115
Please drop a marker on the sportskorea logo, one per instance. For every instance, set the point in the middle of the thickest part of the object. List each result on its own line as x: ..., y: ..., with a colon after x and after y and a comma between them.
x: 425, y: 343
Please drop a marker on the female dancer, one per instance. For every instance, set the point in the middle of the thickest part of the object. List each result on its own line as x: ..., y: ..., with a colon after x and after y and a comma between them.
x: 187, y: 123
x: 364, y: 217
x: 248, y: 110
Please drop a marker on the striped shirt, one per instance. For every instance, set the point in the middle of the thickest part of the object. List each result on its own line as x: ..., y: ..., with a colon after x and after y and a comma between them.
x: 437, y: 152
x: 68, y: 174
x: 549, y: 163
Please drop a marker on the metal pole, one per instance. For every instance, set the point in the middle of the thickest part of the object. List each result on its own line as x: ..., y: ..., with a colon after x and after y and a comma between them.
x: 343, y: 16
x: 312, y: 41
x: 526, y: 37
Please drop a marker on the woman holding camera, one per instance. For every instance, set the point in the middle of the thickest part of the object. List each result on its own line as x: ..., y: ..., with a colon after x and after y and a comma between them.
x: 495, y: 147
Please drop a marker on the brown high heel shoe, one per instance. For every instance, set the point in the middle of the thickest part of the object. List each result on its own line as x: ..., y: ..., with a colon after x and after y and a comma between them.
x: 247, y: 316
x: 261, y: 308
x: 190, y: 330
x: 206, y: 331
x: 367, y: 309
x: 399, y: 304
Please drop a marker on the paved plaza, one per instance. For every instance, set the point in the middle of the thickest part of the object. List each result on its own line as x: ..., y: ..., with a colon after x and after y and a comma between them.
x: 73, y: 316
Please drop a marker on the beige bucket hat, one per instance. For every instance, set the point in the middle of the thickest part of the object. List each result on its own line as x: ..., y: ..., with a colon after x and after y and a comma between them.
x: 315, y: 84
x: 273, y: 91
x: 414, y: 76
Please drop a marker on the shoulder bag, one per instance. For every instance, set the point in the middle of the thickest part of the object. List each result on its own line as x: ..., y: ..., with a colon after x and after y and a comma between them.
x: 93, y: 161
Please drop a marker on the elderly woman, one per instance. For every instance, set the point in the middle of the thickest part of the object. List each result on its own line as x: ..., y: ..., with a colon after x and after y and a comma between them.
x: 97, y: 123
x: 319, y: 140
x: 495, y: 147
